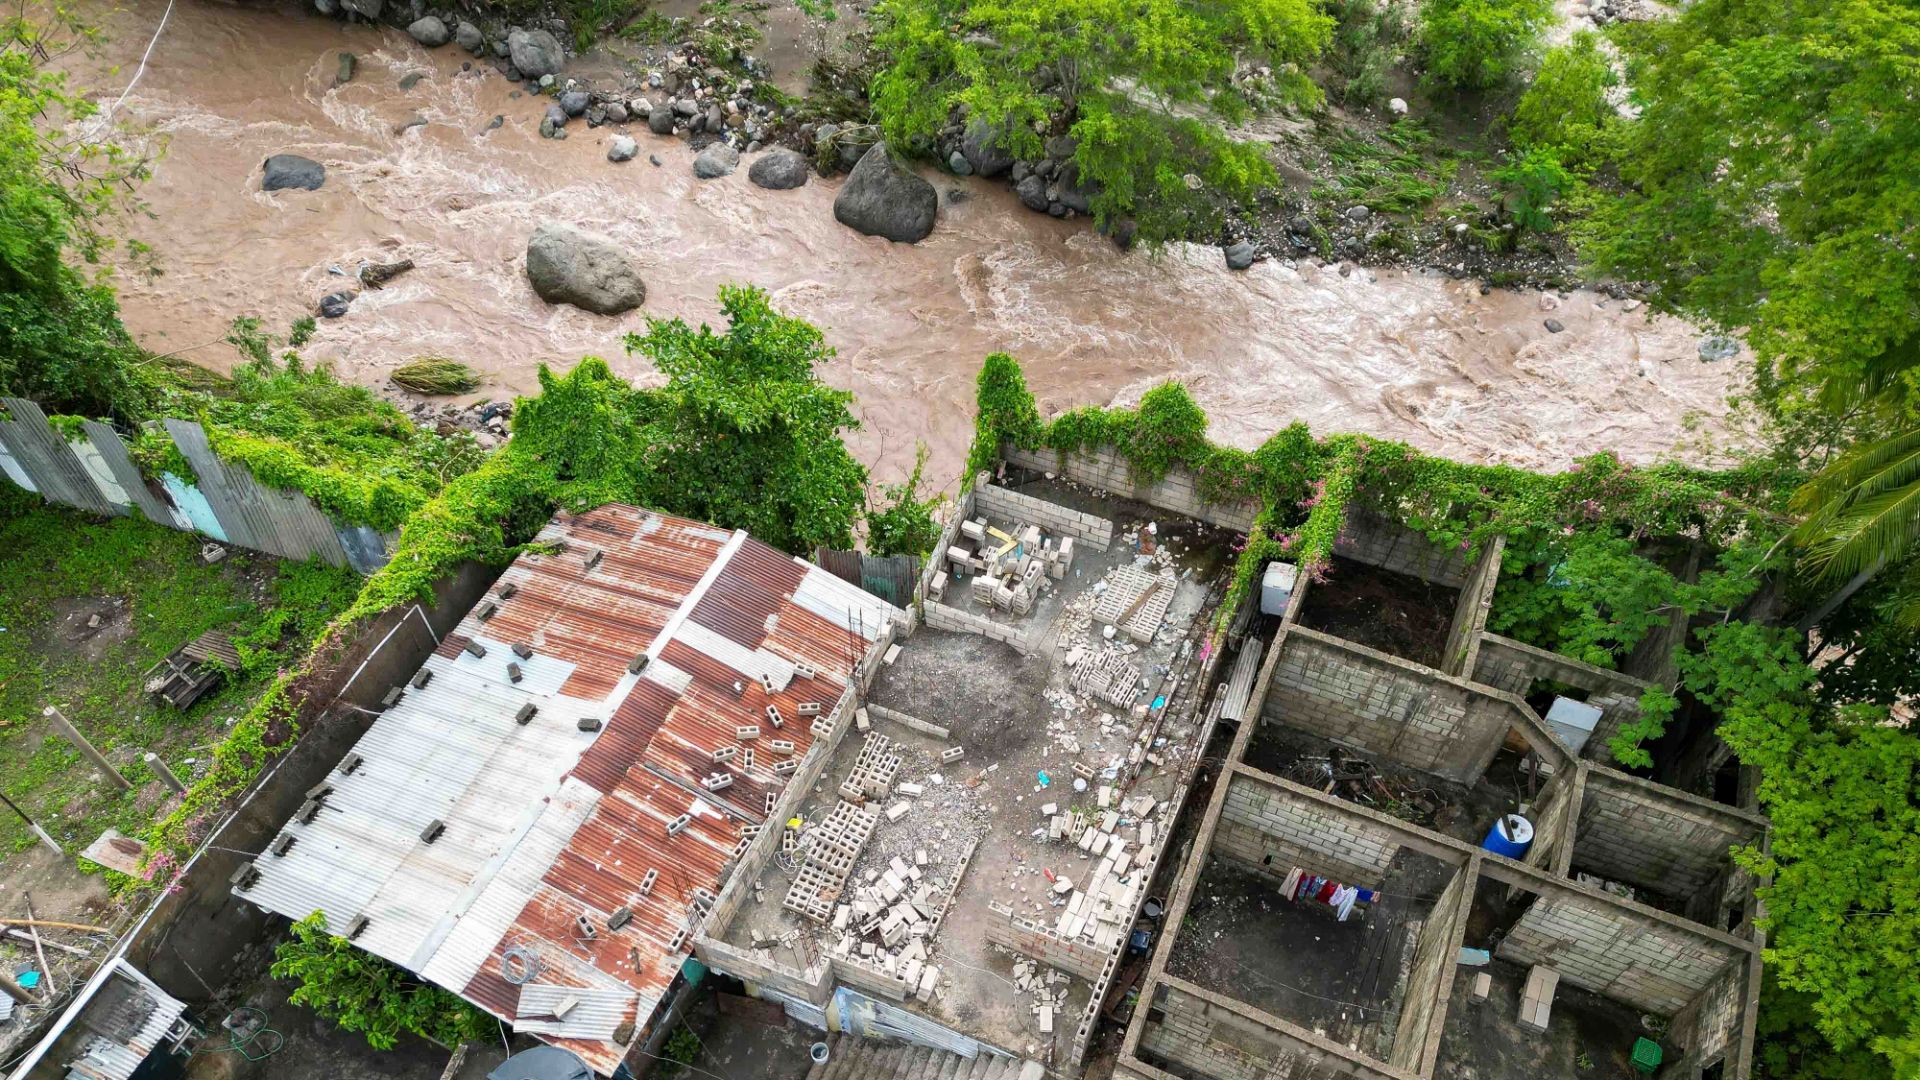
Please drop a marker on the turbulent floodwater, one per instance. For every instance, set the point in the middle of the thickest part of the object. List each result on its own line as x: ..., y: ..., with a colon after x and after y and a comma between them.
x: 1407, y: 356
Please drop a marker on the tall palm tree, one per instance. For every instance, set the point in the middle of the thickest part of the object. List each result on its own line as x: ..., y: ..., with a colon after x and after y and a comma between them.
x: 1862, y: 514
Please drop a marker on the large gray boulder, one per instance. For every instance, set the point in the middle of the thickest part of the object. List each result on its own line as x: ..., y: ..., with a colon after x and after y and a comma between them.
x: 283, y: 171
x: 366, y: 9
x: 470, y: 38
x: 430, y: 31
x: 660, y: 121
x: 535, y: 53
x: 717, y: 160
x: 572, y: 266
x: 882, y: 198
x: 621, y: 148
x: 981, y: 147
x: 779, y: 169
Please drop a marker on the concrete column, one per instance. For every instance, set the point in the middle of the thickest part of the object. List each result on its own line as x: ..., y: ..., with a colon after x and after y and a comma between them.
x: 72, y: 734
x: 165, y: 774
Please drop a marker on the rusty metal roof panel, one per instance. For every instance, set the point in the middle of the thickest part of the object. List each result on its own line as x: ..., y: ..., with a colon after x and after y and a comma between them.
x: 546, y: 824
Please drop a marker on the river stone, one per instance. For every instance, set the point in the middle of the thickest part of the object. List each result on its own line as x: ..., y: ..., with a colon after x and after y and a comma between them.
x: 1069, y: 192
x: 958, y: 162
x: 329, y: 8
x: 430, y: 31
x: 1359, y: 213
x: 366, y: 9
x: 660, y: 121
x: 571, y: 266
x: 621, y: 148
x: 615, y: 112
x: 981, y: 145
x: 1716, y: 348
x: 717, y: 160
x: 883, y: 198
x: 334, y: 305
x: 1239, y: 255
x: 535, y: 53
x: 1032, y: 192
x: 557, y: 116
x: 344, y: 74
x: 640, y: 108
x: 470, y: 38
x: 779, y: 169
x: 575, y: 102
x: 1554, y: 326
x: 282, y: 171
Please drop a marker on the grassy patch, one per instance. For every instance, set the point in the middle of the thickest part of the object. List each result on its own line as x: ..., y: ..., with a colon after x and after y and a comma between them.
x: 150, y: 592
x: 1396, y: 171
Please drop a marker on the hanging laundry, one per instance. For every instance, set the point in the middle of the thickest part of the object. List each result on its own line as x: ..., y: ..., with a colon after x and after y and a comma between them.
x: 1292, y: 884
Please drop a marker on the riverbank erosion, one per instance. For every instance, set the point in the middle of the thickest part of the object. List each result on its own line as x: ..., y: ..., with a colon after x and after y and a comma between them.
x: 1434, y: 361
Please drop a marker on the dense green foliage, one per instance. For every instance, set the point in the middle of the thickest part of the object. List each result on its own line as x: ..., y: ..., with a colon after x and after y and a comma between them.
x: 1478, y: 44
x: 361, y: 992
x: 1863, y: 510
x: 744, y: 433
x: 1144, y: 89
x: 1362, y: 50
x: 902, y: 523
x: 152, y: 593
x: 1565, y: 108
x: 61, y: 174
x: 436, y: 375
x: 1772, y: 187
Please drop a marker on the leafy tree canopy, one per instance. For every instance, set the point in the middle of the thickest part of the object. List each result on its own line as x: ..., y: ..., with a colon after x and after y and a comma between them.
x: 1773, y: 188
x: 1477, y: 44
x: 1145, y: 89
x: 745, y: 434
x: 1565, y: 108
x: 361, y: 992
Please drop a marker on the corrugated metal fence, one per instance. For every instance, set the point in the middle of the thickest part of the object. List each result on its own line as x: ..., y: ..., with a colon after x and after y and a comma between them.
x: 889, y: 577
x: 222, y: 500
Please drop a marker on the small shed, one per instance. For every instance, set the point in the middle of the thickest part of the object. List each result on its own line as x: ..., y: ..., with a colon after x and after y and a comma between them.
x: 121, y: 1026
x: 191, y: 671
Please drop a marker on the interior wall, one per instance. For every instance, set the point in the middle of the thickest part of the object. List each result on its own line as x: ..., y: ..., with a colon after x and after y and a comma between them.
x: 1616, y: 952
x: 1269, y: 830
x: 1655, y: 838
x: 1221, y: 1044
x: 1514, y: 666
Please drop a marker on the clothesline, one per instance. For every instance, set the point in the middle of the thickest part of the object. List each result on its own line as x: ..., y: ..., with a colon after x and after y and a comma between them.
x: 1302, y: 886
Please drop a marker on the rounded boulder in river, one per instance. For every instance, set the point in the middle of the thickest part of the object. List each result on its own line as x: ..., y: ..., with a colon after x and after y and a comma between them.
x: 1418, y: 357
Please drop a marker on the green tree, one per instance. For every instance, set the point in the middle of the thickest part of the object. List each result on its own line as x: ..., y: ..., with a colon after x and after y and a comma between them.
x: 1143, y: 87
x: 1773, y: 190
x: 1478, y: 44
x: 1565, y: 108
x: 902, y: 522
x: 361, y: 992
x: 1005, y: 413
x: 1534, y: 183
x: 61, y: 176
x: 1862, y: 514
x: 745, y: 434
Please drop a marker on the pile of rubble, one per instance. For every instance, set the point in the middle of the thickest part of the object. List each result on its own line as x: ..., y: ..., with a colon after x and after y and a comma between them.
x: 1010, y: 570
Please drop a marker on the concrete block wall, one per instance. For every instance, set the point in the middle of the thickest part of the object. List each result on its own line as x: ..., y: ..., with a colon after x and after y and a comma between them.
x: 1105, y: 469
x: 1003, y: 505
x: 1220, y: 1044
x: 1378, y: 541
x: 1553, y: 822
x: 1471, y: 610
x: 949, y: 536
x: 1655, y: 837
x: 1515, y: 666
x: 1709, y: 1024
x: 1616, y: 952
x: 1270, y: 830
x: 1029, y: 938
x: 947, y: 617
x: 1422, y: 1011
x: 1385, y: 706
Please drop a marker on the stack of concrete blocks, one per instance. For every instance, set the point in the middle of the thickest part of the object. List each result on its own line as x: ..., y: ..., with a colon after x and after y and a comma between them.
x: 873, y: 770
x: 831, y: 850
x: 1108, y: 676
x: 1536, y: 1001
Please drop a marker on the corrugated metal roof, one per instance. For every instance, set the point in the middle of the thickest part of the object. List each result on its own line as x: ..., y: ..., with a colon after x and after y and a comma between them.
x: 112, y: 1058
x: 544, y: 824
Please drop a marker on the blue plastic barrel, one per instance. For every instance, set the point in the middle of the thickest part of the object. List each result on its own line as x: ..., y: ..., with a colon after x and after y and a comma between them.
x: 1511, y: 836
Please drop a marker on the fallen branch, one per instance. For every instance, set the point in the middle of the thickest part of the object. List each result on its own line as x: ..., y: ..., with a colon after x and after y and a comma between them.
x: 22, y: 936
x: 55, y: 925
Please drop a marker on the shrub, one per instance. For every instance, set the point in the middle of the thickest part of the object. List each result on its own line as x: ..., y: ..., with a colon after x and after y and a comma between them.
x: 1477, y: 44
x: 1566, y: 106
x: 361, y: 992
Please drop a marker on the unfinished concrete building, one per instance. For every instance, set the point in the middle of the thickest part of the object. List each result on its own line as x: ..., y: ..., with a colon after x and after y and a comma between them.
x: 1344, y: 912
x: 964, y: 864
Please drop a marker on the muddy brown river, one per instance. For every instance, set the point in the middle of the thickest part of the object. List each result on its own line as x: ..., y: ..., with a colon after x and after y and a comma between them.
x: 1409, y: 356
